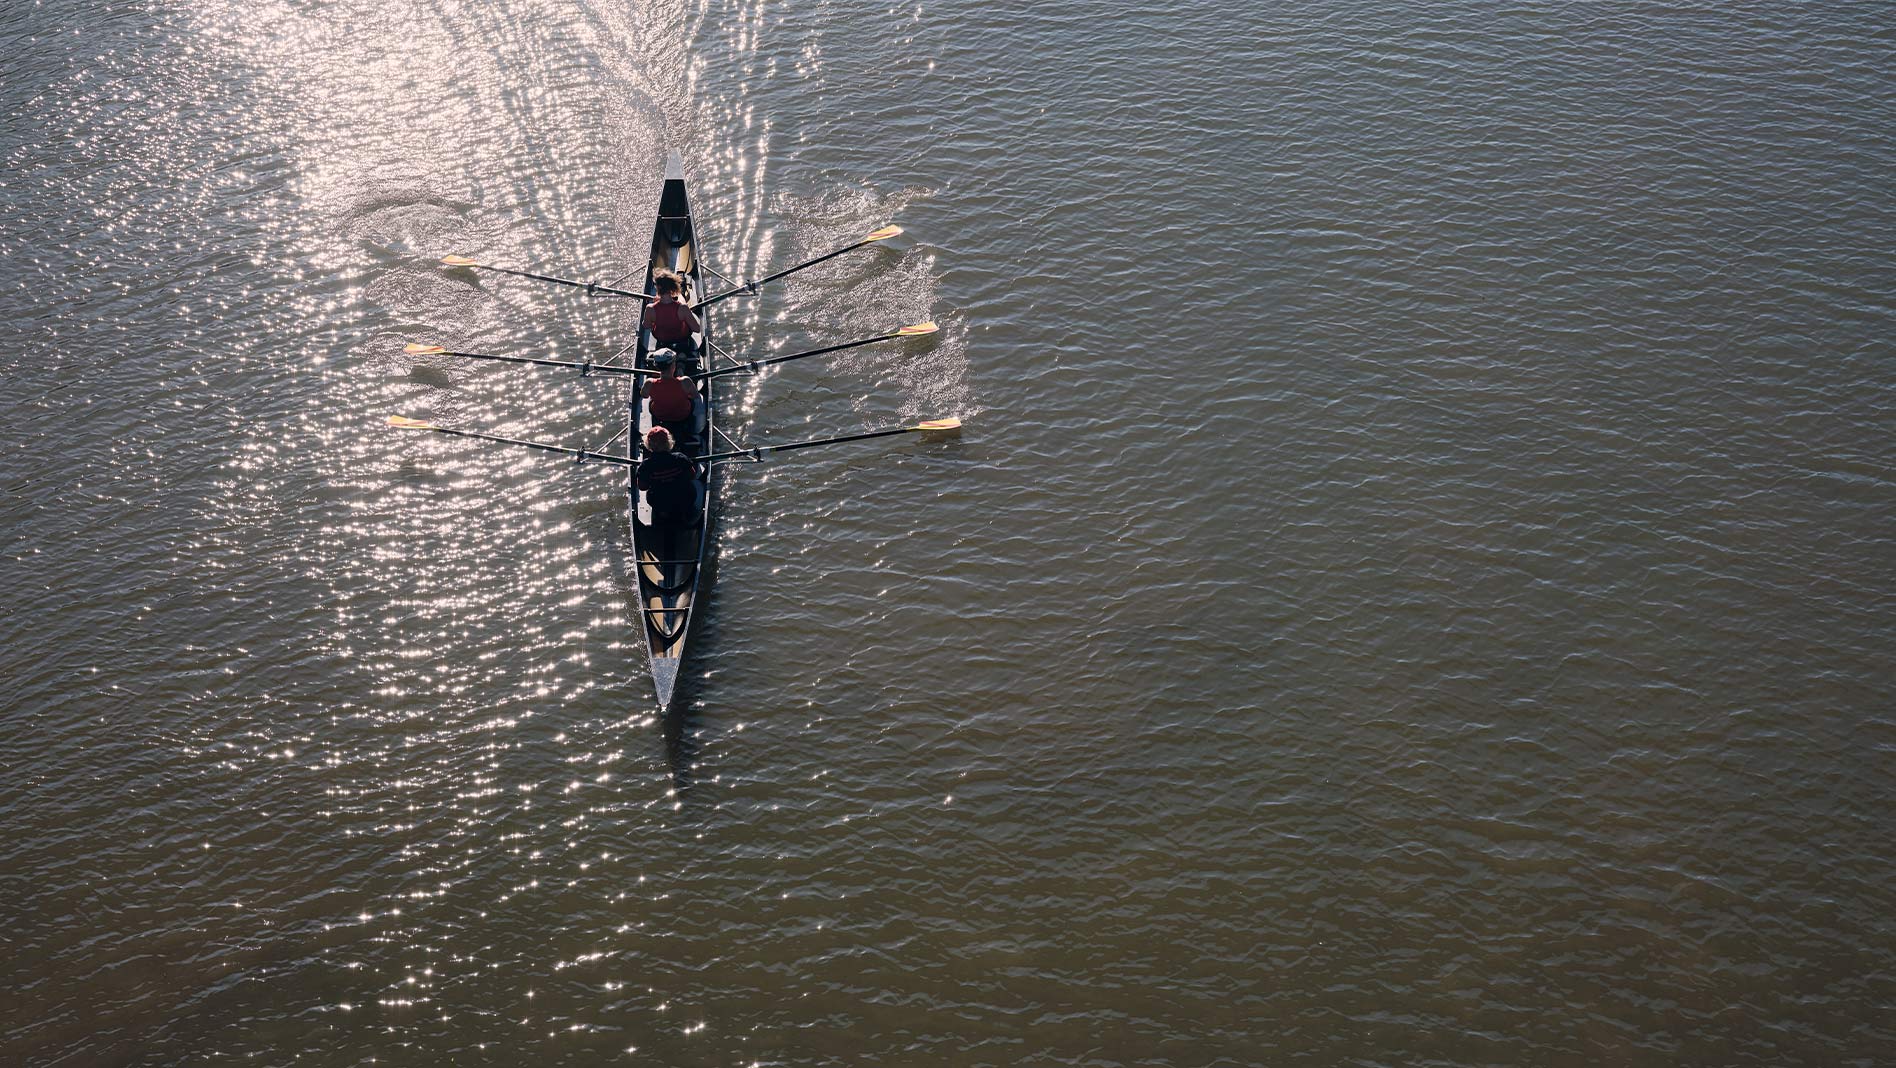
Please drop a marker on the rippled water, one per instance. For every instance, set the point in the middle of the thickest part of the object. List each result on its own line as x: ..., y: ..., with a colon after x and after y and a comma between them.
x: 1414, y: 588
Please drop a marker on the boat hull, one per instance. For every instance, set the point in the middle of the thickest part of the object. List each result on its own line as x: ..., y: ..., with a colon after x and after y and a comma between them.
x: 672, y: 557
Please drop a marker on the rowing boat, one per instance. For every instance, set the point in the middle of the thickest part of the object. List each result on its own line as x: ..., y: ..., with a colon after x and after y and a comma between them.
x: 673, y: 558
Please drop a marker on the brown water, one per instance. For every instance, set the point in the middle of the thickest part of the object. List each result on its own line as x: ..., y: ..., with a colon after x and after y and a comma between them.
x: 1415, y: 588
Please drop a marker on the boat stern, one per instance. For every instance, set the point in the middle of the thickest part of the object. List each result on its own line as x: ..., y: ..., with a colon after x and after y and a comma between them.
x: 665, y: 680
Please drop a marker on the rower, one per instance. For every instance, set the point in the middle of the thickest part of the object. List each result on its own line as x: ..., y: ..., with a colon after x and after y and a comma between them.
x: 672, y: 324
x: 672, y: 397
x: 669, y: 479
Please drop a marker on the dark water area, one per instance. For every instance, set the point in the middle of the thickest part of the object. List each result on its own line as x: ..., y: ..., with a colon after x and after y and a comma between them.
x: 1414, y: 588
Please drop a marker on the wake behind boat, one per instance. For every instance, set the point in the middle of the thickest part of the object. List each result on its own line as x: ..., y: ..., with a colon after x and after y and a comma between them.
x: 672, y: 527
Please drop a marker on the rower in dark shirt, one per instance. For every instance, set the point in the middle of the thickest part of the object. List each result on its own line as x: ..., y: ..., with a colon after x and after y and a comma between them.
x: 669, y: 480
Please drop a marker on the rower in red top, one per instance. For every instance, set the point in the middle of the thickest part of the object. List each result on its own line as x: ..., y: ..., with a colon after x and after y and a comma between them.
x: 670, y: 396
x: 669, y: 320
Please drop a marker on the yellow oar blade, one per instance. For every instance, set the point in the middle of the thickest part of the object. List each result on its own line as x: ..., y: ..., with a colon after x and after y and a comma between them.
x: 917, y: 330
x: 423, y: 350
x: 883, y: 234
x: 940, y: 424
x: 405, y: 423
x: 459, y: 261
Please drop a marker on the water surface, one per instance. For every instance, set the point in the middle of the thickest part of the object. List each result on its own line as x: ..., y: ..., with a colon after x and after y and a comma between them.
x: 1414, y: 588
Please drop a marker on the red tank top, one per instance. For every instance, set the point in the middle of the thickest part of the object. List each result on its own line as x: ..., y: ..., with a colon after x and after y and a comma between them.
x: 670, y: 402
x: 668, y: 321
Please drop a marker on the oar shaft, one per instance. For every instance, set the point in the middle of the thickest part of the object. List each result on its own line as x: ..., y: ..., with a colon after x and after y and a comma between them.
x: 754, y: 450
x: 750, y: 287
x: 582, y: 368
x: 590, y: 287
x: 752, y: 365
x: 581, y: 454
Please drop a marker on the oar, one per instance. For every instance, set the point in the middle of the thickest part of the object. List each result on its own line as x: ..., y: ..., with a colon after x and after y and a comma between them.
x: 589, y: 287
x: 580, y: 455
x: 883, y: 234
x: 752, y: 365
x: 756, y: 452
x: 582, y: 368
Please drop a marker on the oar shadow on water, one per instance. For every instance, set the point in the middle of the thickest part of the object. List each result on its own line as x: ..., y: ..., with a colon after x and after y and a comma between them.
x: 438, y: 377
x: 681, y: 742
